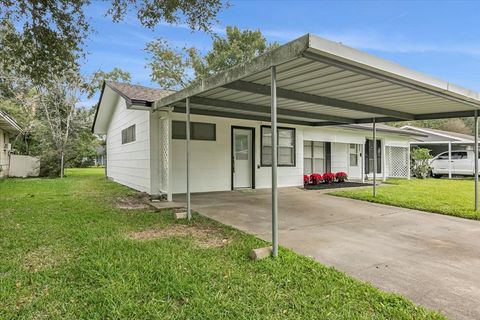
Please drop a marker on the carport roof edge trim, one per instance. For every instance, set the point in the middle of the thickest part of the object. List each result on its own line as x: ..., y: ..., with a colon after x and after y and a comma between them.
x: 311, y: 44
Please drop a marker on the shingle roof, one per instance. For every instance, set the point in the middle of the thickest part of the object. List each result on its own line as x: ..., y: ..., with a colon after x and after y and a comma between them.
x: 135, y: 92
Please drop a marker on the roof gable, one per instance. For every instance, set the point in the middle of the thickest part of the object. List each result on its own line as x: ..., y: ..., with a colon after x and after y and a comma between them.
x: 136, y: 97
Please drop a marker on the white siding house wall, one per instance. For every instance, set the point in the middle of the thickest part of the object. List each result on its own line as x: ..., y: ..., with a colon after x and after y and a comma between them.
x: 210, y: 165
x: 129, y: 163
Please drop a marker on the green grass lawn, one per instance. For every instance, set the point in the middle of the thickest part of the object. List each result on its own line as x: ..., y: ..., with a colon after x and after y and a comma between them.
x: 450, y: 197
x: 67, y: 253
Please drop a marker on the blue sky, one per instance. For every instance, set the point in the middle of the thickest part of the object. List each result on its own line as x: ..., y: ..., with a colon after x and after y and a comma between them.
x: 438, y: 38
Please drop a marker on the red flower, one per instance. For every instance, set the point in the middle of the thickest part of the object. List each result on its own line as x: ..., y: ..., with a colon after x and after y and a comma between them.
x: 306, y: 179
x: 328, y: 177
x: 341, y: 176
x: 316, y: 178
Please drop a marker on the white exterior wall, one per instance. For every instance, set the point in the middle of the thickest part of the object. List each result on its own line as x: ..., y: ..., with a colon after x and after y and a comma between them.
x: 210, y: 164
x: 129, y: 163
x: 137, y: 164
x: 4, y: 158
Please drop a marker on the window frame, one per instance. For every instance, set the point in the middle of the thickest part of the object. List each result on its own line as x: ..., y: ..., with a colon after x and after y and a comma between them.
x: 262, y: 164
x: 134, y: 138
x: 192, y: 130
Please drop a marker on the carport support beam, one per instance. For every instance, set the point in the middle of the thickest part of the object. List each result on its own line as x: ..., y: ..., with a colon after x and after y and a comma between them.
x: 273, y: 97
x: 187, y: 129
x: 475, y: 149
x: 374, y: 134
x: 449, y: 160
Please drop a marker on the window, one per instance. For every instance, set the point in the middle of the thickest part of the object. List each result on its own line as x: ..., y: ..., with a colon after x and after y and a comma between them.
x: 353, y: 155
x: 455, y: 155
x: 443, y: 156
x: 285, y: 144
x: 198, y: 131
x: 313, y: 157
x: 459, y: 155
x: 128, y: 135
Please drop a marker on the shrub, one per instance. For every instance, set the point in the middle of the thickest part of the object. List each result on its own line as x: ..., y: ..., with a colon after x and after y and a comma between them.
x: 50, y: 164
x: 328, y: 177
x: 316, y: 178
x: 306, y: 179
x: 420, y: 158
x: 341, y: 176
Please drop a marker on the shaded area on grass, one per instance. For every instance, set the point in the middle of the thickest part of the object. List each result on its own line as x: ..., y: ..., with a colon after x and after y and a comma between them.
x: 449, y: 197
x: 105, y: 274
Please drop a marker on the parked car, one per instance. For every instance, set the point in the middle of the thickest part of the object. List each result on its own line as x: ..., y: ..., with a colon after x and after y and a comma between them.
x: 462, y: 163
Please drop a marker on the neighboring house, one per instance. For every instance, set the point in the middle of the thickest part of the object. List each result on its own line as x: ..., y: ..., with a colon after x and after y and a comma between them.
x: 8, y: 128
x: 100, y: 158
x: 438, y: 141
x: 229, y: 153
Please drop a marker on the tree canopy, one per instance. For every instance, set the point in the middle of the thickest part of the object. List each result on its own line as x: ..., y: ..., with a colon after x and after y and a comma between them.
x: 96, y: 81
x: 41, y: 39
x: 174, y: 68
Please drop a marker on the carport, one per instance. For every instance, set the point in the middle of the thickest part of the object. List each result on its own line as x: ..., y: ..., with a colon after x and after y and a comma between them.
x: 315, y: 82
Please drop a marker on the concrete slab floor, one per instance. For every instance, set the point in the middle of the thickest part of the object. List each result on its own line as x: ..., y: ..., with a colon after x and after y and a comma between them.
x: 432, y: 259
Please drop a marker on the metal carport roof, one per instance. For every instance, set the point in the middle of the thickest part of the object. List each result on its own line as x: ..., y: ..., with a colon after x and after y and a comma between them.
x: 315, y: 82
x: 320, y: 82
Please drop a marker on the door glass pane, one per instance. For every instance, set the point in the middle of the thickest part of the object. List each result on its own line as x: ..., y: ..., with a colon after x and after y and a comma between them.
x: 307, y: 149
x: 319, y: 150
x: 241, y: 147
x: 307, y: 166
x: 443, y: 156
x: 319, y: 166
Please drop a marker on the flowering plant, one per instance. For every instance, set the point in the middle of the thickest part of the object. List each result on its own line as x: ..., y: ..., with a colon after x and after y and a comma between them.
x: 306, y: 179
x: 341, y: 176
x: 328, y: 177
x: 316, y: 178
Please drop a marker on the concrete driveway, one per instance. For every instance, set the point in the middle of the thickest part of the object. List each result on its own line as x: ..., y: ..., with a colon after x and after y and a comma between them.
x: 432, y: 259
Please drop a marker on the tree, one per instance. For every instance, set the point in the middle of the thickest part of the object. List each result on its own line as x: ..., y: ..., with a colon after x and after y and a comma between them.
x: 459, y: 125
x: 96, y: 81
x: 46, y: 38
x: 81, y: 148
x: 175, y: 68
x: 57, y: 110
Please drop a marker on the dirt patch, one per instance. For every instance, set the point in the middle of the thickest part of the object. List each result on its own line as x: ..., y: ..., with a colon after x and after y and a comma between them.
x: 137, y: 202
x: 44, y: 257
x: 204, y: 236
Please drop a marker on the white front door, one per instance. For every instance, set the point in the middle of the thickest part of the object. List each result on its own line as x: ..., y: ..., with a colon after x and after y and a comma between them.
x: 242, y: 158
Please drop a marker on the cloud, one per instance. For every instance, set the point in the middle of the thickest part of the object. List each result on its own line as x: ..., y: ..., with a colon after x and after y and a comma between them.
x: 396, y: 44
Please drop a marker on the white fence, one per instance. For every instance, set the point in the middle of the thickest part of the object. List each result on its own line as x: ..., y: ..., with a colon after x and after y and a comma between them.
x: 397, y: 161
x: 24, y: 166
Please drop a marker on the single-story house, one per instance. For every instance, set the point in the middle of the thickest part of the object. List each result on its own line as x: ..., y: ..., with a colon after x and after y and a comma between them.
x: 100, y: 156
x: 229, y: 153
x: 8, y: 128
x: 265, y: 122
